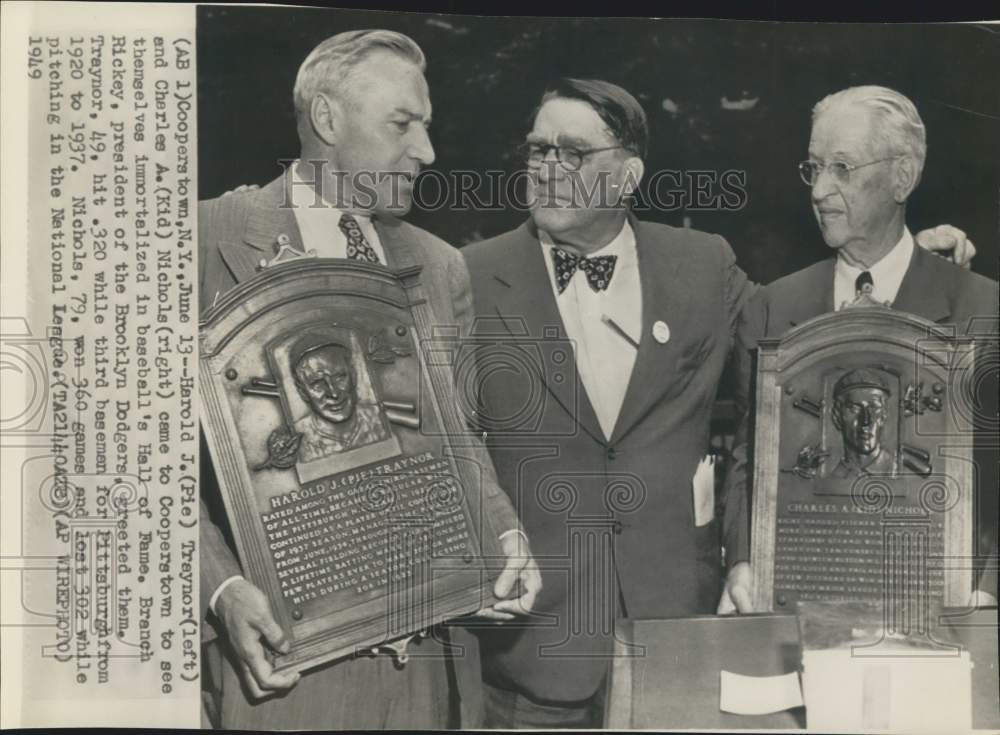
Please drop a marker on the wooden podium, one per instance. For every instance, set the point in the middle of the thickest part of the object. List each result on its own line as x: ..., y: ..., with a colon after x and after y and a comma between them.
x: 665, y: 674
x: 669, y: 676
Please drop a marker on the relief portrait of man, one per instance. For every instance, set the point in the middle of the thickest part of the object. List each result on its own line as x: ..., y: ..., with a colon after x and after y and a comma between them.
x: 338, y: 420
x: 860, y: 411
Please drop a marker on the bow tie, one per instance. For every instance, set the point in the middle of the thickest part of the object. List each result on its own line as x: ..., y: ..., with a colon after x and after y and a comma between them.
x: 598, y: 269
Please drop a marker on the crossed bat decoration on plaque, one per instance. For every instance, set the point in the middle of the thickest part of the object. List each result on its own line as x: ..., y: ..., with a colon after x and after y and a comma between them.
x: 862, y: 405
x: 857, y: 439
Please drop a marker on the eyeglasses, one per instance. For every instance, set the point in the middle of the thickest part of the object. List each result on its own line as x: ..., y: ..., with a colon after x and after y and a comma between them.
x: 810, y: 170
x: 569, y: 158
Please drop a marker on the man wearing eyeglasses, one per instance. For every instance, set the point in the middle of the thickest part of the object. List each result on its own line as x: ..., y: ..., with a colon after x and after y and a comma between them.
x: 602, y: 341
x: 866, y: 155
x: 619, y: 330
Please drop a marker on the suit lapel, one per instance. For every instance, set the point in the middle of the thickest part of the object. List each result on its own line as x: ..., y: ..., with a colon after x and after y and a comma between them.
x: 666, y: 297
x: 269, y: 216
x: 529, y: 313
x: 921, y: 293
x: 398, y: 253
x: 242, y: 262
x: 815, y: 298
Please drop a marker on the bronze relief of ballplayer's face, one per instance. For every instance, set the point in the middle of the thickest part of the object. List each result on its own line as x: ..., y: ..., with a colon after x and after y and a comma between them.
x: 326, y: 381
x: 860, y: 415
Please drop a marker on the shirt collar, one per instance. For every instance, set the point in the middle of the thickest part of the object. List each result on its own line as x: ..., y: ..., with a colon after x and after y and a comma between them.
x: 303, y: 197
x: 622, y: 245
x: 892, y: 265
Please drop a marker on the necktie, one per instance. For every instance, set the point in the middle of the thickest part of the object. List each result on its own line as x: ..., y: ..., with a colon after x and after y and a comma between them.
x: 599, y: 269
x: 863, y: 279
x: 357, y: 245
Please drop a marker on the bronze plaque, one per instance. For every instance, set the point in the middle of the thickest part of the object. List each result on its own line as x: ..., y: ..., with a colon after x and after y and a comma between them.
x: 337, y: 440
x: 863, y: 472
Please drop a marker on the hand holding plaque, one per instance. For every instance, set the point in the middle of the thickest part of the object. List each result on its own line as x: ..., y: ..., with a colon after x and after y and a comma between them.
x: 519, y: 577
x: 246, y: 615
x: 736, y: 595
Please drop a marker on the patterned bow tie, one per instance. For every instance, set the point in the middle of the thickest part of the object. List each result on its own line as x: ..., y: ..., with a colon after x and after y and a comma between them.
x: 357, y: 244
x: 598, y: 269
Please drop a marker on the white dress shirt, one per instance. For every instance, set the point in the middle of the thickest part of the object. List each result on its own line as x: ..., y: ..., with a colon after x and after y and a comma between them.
x: 887, y: 274
x: 320, y: 226
x: 604, y: 358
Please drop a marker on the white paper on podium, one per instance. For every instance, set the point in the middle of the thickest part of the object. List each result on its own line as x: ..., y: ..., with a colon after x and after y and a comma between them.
x: 758, y: 695
x: 847, y: 692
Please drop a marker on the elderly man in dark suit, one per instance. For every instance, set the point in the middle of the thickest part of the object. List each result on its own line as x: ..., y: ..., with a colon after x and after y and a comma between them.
x: 601, y: 341
x: 363, y: 109
x: 866, y: 155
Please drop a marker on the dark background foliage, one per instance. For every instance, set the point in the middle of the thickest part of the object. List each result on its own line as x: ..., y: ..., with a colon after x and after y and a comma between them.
x: 486, y: 75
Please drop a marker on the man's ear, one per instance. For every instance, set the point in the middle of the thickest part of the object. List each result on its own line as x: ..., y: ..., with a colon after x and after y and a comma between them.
x: 904, y: 178
x: 632, y: 175
x: 325, y: 118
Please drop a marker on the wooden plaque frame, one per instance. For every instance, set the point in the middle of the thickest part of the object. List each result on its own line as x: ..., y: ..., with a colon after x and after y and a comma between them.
x: 243, y: 340
x: 930, y: 428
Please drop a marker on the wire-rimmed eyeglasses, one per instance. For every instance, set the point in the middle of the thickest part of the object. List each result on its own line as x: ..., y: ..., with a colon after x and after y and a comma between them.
x: 810, y: 170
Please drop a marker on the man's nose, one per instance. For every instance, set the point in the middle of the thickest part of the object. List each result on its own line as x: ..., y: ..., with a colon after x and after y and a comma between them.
x: 331, y: 387
x: 865, y: 416
x: 421, y: 148
x: 550, y: 167
x: 823, y: 185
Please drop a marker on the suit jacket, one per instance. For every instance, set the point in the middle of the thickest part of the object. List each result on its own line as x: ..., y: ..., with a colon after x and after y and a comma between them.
x: 932, y: 288
x: 235, y: 232
x: 611, y: 522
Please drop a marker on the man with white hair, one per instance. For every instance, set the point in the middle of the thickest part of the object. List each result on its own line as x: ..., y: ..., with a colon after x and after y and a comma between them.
x: 363, y: 109
x: 866, y: 155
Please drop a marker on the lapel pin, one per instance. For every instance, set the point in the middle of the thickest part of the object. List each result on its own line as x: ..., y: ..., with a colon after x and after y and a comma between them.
x: 661, y: 332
